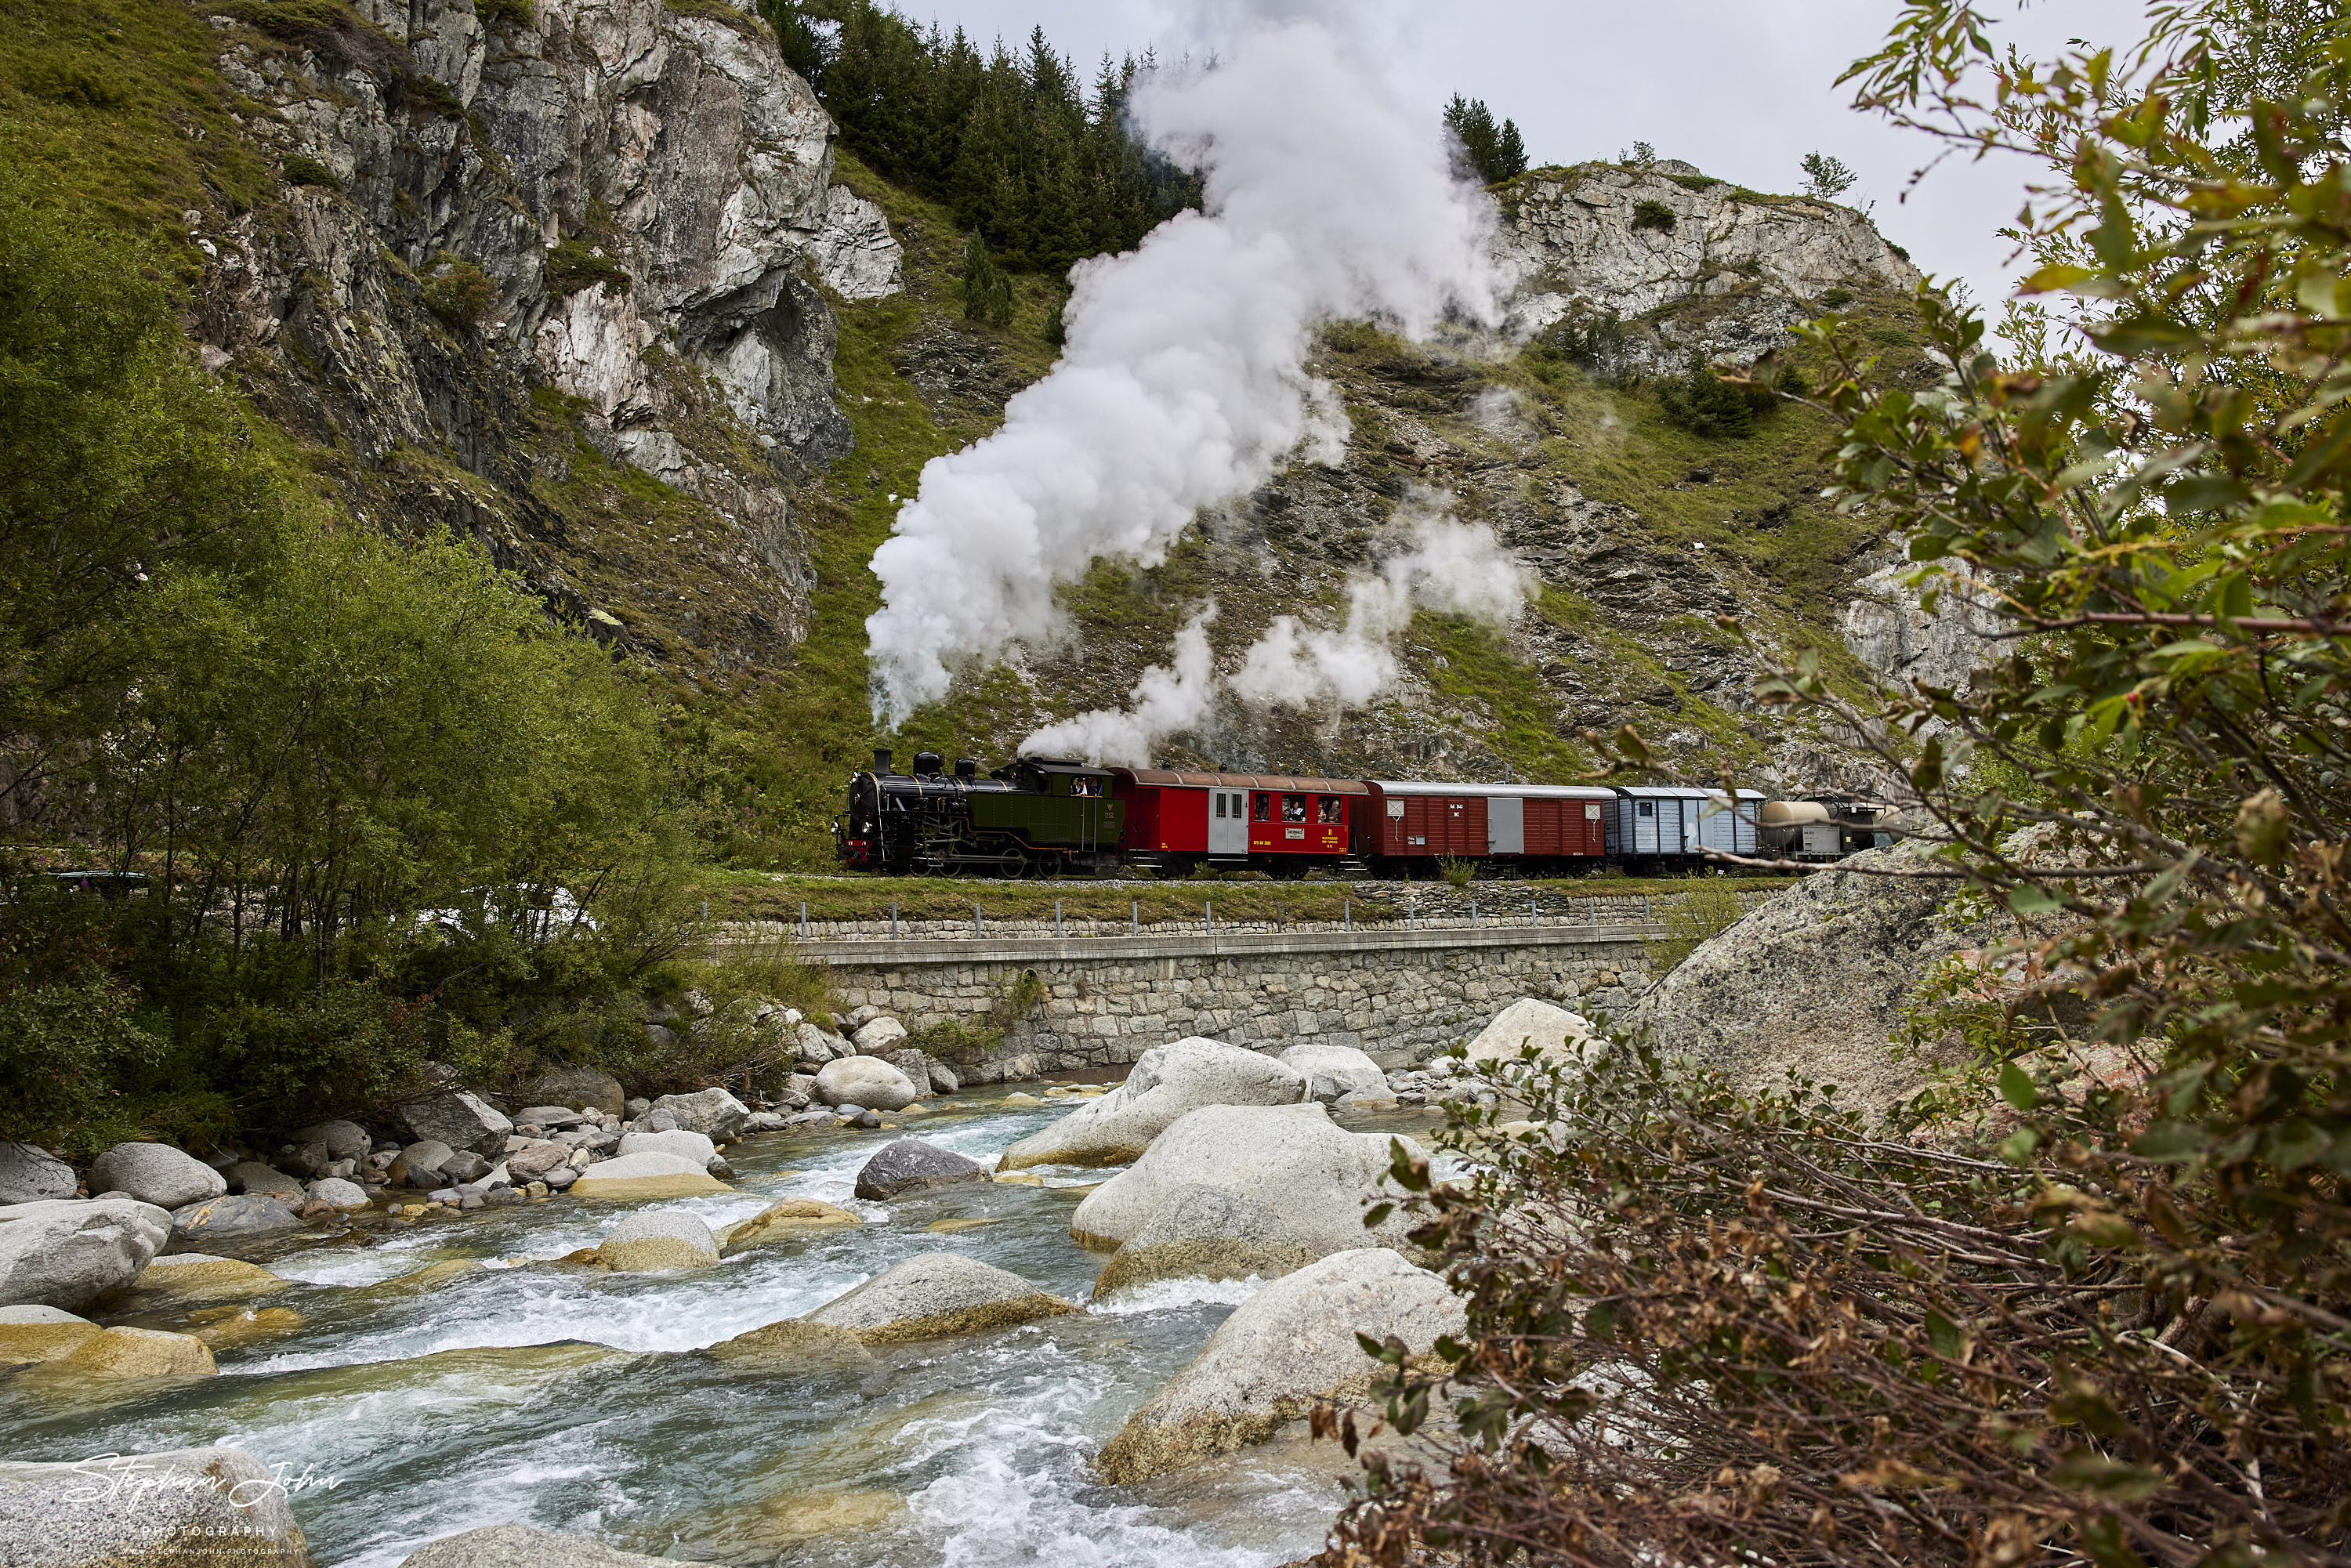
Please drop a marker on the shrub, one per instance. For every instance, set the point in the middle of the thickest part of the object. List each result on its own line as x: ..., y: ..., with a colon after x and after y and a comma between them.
x: 303, y: 169
x: 1709, y: 908
x: 515, y: 13
x: 575, y: 264
x: 460, y: 293
x: 1457, y: 872
x: 1703, y: 403
x: 1835, y: 298
x: 987, y: 287
x: 1651, y: 213
x: 1590, y: 343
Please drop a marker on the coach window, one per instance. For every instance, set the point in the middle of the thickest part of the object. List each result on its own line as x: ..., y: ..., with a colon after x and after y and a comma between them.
x: 1220, y: 803
x: 1649, y: 808
x: 1293, y: 807
x: 1264, y: 807
x: 1329, y: 807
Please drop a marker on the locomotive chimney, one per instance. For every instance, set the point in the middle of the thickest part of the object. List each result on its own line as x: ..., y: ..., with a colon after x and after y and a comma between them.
x: 883, y: 768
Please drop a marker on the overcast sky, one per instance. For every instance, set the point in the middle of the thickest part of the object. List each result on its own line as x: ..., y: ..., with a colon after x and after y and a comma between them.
x: 1744, y: 89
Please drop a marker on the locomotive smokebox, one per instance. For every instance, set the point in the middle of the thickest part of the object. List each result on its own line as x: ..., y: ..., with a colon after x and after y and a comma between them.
x: 883, y: 764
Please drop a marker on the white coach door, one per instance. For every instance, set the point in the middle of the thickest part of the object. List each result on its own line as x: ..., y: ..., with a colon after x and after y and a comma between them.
x: 1506, y: 825
x: 1228, y: 823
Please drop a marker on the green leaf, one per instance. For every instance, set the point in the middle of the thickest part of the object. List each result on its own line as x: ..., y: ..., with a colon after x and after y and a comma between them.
x: 2016, y: 1087
x: 2030, y: 901
x: 1377, y: 1214
x: 2172, y: 1142
x: 1944, y: 1335
x: 2018, y: 1146
x: 2084, y: 1469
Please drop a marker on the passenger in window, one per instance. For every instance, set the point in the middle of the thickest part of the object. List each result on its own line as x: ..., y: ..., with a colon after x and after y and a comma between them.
x: 1329, y: 805
x: 1293, y: 807
x: 1264, y: 807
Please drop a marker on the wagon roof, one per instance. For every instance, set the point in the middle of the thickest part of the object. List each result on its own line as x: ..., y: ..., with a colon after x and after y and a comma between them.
x: 1242, y: 781
x: 1523, y: 791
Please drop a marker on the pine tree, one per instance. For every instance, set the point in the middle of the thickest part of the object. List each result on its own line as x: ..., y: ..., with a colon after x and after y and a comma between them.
x: 987, y: 287
x: 1509, y: 153
x: 1485, y: 153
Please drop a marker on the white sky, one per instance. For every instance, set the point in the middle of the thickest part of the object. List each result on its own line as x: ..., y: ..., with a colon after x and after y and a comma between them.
x: 1744, y: 89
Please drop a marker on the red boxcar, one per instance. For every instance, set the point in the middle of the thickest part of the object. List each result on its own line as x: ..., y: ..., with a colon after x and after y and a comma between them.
x: 1175, y: 820
x: 1537, y: 827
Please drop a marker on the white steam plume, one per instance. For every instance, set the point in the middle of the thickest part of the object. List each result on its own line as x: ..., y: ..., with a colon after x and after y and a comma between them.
x: 1163, y: 702
x: 1182, y: 383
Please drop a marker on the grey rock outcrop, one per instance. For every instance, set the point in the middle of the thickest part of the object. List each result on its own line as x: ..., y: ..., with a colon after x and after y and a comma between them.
x: 520, y: 1546
x: 911, y: 1166
x: 1556, y: 1034
x: 659, y: 1238
x: 68, y: 1252
x: 1816, y: 980
x: 157, y: 1174
x: 344, y: 1140
x: 855, y: 254
x: 215, y: 1508
x: 241, y: 1214
x: 253, y: 1176
x: 1890, y: 628
x: 713, y: 1112
x: 1316, y: 1176
x: 581, y: 1088
x: 864, y: 1081
x: 1345, y: 1069
x: 461, y: 1120
x: 935, y: 1296
x: 31, y: 1175
x: 1205, y: 1233
x: 1168, y: 1082
x: 1284, y: 1350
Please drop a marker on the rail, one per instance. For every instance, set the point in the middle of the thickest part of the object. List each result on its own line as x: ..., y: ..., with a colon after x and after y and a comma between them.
x: 1203, y: 943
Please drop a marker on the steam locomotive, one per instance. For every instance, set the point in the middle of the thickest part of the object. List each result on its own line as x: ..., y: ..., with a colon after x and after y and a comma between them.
x: 1044, y: 816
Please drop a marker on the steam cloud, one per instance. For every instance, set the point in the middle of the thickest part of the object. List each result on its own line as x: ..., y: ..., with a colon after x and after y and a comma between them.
x: 1184, y: 381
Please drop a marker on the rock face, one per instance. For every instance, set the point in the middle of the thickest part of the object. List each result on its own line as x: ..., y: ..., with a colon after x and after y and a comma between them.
x: 1282, y: 1350
x: 1333, y: 1071
x: 256, y: 1214
x: 862, y: 1081
x: 855, y: 254
x: 157, y: 1174
x: 520, y: 1546
x: 1167, y: 1081
x: 660, y: 1238
x: 1599, y: 238
x: 911, y: 1166
x: 1205, y: 1233
x: 30, y: 1175
x: 935, y: 1296
x: 461, y: 1121
x: 190, y: 1507
x: 646, y: 1175
x: 65, y: 1252
x: 1815, y: 979
x: 1889, y: 629
x: 581, y: 1088
x: 1316, y: 1176
x: 713, y: 1112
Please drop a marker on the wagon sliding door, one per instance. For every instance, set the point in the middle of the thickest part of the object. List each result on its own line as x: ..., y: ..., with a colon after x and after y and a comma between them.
x: 1506, y: 825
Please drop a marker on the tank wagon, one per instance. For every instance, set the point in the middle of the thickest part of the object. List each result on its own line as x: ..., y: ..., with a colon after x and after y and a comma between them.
x: 1054, y: 816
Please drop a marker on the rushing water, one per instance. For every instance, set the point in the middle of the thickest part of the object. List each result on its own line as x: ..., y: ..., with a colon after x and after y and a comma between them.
x: 574, y: 1400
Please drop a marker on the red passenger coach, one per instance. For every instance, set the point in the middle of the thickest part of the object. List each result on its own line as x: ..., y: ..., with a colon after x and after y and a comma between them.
x: 1273, y: 823
x: 1411, y: 826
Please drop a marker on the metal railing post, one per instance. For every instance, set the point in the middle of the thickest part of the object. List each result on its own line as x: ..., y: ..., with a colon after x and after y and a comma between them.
x: 1347, y: 914
x: 803, y: 919
x: 1057, y: 918
x: 974, y: 920
x: 1208, y: 907
x: 1473, y: 914
x: 1134, y: 917
x: 894, y: 920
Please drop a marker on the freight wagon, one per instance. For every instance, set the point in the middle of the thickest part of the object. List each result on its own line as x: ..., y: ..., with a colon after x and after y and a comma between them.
x: 1535, y: 828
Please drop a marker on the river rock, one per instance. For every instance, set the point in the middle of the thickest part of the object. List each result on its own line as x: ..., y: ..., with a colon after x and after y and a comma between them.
x: 944, y: 1080
x: 935, y: 1296
x: 678, y: 1141
x: 658, y: 1239
x: 255, y: 1214
x: 912, y: 1165
x: 877, y: 1035
x: 1317, y: 1176
x: 118, y: 1355
x: 66, y: 1252
x: 815, y: 1045
x: 344, y: 1140
x: 864, y: 1082
x: 1286, y: 1349
x: 337, y: 1193
x: 1347, y: 1070
x: 464, y: 1167
x: 581, y: 1088
x: 190, y: 1507
x: 1166, y: 1083
x: 789, y: 1219
x: 461, y: 1120
x: 795, y: 1344
x: 30, y: 1175
x: 537, y: 1159
x: 520, y: 1546
x: 178, y: 1278
x: 253, y: 1176
x: 713, y: 1112
x: 157, y: 1174
x: 547, y: 1118
x: 1817, y: 978
x: 1557, y: 1034
x: 420, y: 1164
x: 1205, y: 1233
x: 30, y: 1335
x: 647, y: 1174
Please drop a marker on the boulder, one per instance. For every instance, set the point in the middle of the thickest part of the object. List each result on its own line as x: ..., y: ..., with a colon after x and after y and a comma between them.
x: 537, y: 1159
x: 520, y: 1546
x: 1205, y: 1233
x: 646, y: 1175
x: 121, y: 1353
x: 463, y: 1166
x: 66, y: 1252
x: 581, y: 1088
x: 914, y: 1063
x: 547, y: 1118
x: 943, y: 1079
x: 227, y: 1328
x: 684, y: 1144
x: 794, y: 1345
x: 253, y: 1176
x: 179, y: 1279
x: 190, y: 1507
x: 420, y: 1164
x: 337, y: 1193
x: 30, y: 1175
x: 157, y: 1174
x: 713, y: 1112
x: 1286, y: 1349
x: 344, y: 1140
x: 658, y: 1239
x: 911, y: 1166
x: 1168, y: 1082
x: 30, y: 1335
x: 815, y: 1045
x: 1556, y: 1033
x: 1318, y: 1177
x: 461, y: 1121
x: 788, y: 1220
x: 937, y: 1295
x: 864, y: 1081
x: 254, y: 1215
x: 1817, y: 978
x: 1347, y: 1069
x: 877, y: 1035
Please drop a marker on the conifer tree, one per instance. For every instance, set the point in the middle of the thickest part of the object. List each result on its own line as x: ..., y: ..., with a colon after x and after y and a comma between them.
x: 987, y: 287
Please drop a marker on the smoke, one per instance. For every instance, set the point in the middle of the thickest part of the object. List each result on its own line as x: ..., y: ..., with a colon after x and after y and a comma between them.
x: 1183, y: 381
x: 1447, y: 565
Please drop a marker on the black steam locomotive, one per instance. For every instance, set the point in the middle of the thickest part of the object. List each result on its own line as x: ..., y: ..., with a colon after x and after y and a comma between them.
x: 1038, y: 816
